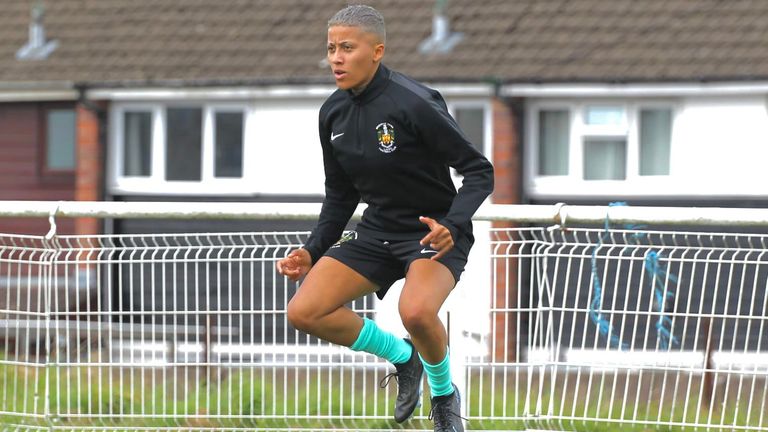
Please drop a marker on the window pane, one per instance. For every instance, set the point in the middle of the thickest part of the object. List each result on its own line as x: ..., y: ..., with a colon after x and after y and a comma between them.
x: 60, y: 142
x: 184, y: 144
x: 554, y: 133
x: 655, y: 139
x: 472, y: 122
x: 604, y: 116
x: 605, y: 159
x: 229, y: 145
x: 137, y: 143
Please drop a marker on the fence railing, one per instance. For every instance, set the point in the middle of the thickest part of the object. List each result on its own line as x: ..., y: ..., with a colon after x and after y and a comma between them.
x: 553, y: 326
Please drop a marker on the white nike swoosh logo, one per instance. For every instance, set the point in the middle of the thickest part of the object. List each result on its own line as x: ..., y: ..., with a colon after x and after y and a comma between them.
x: 425, y: 250
x: 333, y: 137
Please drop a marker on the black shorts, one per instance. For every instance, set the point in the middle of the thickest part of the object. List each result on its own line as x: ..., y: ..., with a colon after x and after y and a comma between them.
x: 385, y: 261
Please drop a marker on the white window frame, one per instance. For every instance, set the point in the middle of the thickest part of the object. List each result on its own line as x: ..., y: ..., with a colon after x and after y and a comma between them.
x: 487, y: 107
x: 573, y: 184
x: 156, y: 183
x: 209, y: 144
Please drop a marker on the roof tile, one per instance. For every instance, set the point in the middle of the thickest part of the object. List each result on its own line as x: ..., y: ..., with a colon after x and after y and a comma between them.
x: 253, y: 40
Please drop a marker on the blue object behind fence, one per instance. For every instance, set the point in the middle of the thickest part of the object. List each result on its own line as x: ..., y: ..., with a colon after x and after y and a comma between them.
x: 658, y: 275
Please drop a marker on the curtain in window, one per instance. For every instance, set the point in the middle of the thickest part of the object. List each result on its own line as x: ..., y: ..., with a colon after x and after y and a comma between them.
x: 184, y: 143
x: 605, y: 159
x: 61, y: 140
x: 229, y: 144
x: 137, y: 142
x: 655, y: 140
x: 554, y: 132
x: 472, y: 123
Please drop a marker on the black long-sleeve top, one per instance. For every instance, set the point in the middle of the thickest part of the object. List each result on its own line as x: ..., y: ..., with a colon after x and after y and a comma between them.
x: 392, y: 146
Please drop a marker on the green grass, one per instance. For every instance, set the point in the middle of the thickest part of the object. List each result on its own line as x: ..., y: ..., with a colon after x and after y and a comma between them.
x: 312, y: 398
x: 673, y: 401
x: 234, y: 398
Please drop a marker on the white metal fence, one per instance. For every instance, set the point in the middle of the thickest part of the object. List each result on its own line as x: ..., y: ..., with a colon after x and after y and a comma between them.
x: 601, y: 328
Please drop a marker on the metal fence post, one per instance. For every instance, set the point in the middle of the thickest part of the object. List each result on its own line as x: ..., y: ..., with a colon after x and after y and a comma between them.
x: 52, y: 247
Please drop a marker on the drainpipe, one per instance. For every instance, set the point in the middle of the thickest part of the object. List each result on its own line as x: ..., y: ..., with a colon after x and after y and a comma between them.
x: 101, y: 117
x: 86, y: 107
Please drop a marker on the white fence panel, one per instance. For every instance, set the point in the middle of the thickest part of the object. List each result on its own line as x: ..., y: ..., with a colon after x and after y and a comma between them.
x: 582, y: 328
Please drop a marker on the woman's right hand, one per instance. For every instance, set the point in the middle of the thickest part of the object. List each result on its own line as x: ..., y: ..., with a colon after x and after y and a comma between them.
x: 296, y: 265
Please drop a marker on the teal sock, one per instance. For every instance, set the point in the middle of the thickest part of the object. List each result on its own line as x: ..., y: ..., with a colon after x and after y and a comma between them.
x: 439, y: 376
x: 376, y: 341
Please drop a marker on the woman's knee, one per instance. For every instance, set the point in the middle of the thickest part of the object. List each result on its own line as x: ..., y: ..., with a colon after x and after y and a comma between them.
x: 300, y: 315
x: 417, y: 318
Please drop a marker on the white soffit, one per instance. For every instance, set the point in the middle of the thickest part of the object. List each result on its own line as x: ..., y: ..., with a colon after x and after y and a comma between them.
x: 37, y: 95
x: 209, y: 93
x: 276, y: 92
x: 30, y: 93
x: 634, y: 90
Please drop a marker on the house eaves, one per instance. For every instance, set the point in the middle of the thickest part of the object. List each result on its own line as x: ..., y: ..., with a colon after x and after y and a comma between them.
x: 635, y: 89
x: 261, y: 92
x: 37, y: 91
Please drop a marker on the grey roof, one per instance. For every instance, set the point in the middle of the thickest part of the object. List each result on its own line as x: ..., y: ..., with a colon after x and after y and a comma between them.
x: 118, y: 42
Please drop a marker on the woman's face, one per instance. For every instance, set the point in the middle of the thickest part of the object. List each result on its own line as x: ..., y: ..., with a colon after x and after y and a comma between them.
x: 353, y: 55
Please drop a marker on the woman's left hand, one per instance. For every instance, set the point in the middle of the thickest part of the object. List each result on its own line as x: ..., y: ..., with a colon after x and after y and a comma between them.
x: 439, y: 237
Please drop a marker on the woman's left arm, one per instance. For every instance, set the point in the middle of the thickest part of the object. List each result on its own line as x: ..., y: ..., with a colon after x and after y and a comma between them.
x: 442, y: 133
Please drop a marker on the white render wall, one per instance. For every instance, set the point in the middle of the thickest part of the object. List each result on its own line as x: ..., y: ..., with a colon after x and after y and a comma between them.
x: 720, y: 146
x: 287, y: 158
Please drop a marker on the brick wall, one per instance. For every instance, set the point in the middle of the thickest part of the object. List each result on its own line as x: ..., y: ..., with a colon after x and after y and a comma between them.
x: 90, y: 171
x: 22, y: 166
x: 22, y: 149
x: 506, y: 151
x: 507, y: 172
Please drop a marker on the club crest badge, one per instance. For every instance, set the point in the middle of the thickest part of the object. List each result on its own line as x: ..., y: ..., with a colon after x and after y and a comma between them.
x: 386, y: 136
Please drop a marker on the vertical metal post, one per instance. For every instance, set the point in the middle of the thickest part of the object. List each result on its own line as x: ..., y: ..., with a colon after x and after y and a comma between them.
x: 51, y: 246
x: 207, y: 348
x: 707, y: 380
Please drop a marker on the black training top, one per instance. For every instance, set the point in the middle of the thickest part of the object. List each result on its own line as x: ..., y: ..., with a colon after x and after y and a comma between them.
x: 392, y: 145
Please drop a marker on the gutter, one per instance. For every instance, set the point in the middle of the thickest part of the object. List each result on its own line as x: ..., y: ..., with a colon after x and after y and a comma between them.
x: 27, y: 91
x: 37, y: 91
x: 83, y: 98
x: 320, y: 88
x: 724, y: 88
x: 82, y: 92
x: 270, y: 92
